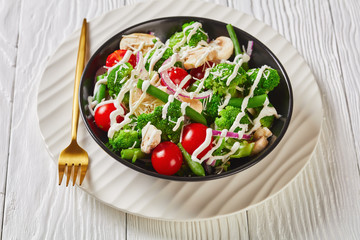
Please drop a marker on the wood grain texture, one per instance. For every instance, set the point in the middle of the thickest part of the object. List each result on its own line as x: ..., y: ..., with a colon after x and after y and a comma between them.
x: 321, y: 199
x: 346, y: 20
x: 9, y: 18
x: 34, y: 206
x: 232, y: 227
x: 321, y: 203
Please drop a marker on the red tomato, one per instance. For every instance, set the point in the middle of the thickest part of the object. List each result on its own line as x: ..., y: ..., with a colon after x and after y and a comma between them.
x: 176, y: 75
x: 193, y: 136
x: 116, y: 56
x: 166, y: 158
x: 199, y: 72
x: 102, y: 116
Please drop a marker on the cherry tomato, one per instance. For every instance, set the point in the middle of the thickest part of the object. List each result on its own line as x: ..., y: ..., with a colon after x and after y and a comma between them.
x: 176, y: 75
x: 193, y: 136
x: 166, y: 158
x: 199, y: 72
x: 102, y: 116
x: 116, y: 56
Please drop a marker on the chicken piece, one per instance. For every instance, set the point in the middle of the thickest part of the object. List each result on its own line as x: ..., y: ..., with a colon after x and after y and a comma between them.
x: 260, y: 145
x: 262, y: 132
x: 137, y: 42
x: 151, y: 137
x: 194, y: 103
x: 224, y: 48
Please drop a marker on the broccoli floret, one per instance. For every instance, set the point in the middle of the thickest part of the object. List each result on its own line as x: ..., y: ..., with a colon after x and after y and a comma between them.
x: 266, y: 121
x: 168, y: 53
x: 228, y: 116
x: 219, y: 75
x: 124, y: 139
x: 117, y: 77
x: 212, y: 108
x: 165, y: 125
x: 268, y: 81
x: 194, y: 40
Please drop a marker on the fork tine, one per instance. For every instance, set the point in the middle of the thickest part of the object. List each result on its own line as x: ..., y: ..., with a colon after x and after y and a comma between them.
x: 68, y: 174
x: 83, y: 170
x: 61, y: 172
x: 76, y: 169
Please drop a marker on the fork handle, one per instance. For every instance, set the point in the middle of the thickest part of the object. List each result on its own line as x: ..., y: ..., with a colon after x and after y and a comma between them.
x: 80, y: 63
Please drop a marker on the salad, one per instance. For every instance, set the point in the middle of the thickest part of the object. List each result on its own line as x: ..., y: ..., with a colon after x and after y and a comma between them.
x: 188, y: 106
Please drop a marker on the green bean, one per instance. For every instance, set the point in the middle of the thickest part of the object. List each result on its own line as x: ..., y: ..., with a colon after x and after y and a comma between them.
x: 234, y: 39
x: 253, y: 102
x: 163, y: 96
x: 195, y: 167
x: 236, y: 43
x: 101, y: 92
x: 132, y: 154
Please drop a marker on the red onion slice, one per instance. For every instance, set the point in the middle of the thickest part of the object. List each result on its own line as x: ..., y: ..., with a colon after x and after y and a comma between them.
x: 231, y: 134
x: 249, y: 48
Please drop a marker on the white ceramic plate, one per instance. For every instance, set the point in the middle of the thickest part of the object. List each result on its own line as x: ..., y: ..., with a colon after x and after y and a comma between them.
x: 136, y: 193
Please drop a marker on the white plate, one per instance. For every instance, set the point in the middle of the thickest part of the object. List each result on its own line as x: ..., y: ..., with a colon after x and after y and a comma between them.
x: 136, y: 193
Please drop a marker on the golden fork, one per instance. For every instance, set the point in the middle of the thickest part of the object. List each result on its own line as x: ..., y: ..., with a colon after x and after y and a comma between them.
x: 74, y: 156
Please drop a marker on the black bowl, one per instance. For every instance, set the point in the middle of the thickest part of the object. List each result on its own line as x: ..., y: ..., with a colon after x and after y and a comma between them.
x: 280, y: 97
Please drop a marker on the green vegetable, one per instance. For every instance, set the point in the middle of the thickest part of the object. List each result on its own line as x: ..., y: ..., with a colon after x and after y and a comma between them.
x: 168, y: 53
x: 165, y: 125
x: 219, y: 75
x: 234, y: 39
x: 253, y: 102
x: 268, y: 81
x: 244, y: 150
x: 212, y: 108
x: 132, y: 154
x: 236, y: 43
x: 125, y: 137
x: 163, y: 96
x: 101, y: 92
x: 228, y: 116
x: 195, y: 167
x: 117, y: 77
x: 266, y: 121
x: 199, y: 35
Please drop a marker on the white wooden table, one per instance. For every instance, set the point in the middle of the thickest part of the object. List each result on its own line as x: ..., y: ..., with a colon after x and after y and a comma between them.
x: 323, y: 202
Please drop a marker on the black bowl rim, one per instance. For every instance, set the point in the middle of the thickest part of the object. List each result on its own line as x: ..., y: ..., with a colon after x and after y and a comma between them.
x: 247, y: 165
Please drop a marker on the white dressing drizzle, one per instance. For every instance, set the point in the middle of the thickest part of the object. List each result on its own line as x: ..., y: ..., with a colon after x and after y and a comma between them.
x: 202, y: 147
x: 182, y: 118
x: 165, y: 107
x: 195, y: 26
x: 98, y: 83
x: 234, y: 73
x: 233, y: 149
x: 266, y: 111
x: 225, y: 103
x: 173, y: 59
x: 123, y: 60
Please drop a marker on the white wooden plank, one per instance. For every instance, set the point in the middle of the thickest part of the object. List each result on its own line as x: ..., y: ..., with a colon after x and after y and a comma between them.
x: 322, y: 196
x: 35, y: 207
x: 231, y: 227
x: 9, y: 18
x: 346, y: 21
